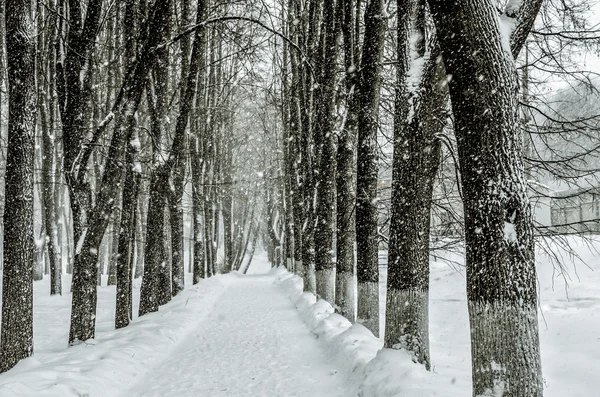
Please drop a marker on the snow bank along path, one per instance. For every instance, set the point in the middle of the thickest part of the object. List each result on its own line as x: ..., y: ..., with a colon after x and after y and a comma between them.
x: 253, y: 344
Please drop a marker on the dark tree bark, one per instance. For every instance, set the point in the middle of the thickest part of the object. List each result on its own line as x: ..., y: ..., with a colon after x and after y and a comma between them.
x: 369, y: 81
x: 83, y: 309
x: 127, y: 222
x: 73, y: 99
x: 198, y: 191
x: 227, y: 203
x: 295, y: 148
x: 419, y: 120
x: 114, y: 235
x: 156, y: 280
x: 16, y: 339
x: 45, y: 81
x: 124, y: 267
x: 154, y: 254
x: 501, y: 278
x: 346, y: 173
x: 179, y: 149
x: 326, y: 140
x: 307, y: 158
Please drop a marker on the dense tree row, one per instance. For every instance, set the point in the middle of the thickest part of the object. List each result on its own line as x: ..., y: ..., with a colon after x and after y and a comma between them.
x: 92, y: 89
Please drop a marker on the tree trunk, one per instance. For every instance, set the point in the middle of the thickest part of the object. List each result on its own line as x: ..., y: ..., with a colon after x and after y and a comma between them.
x: 369, y: 81
x: 501, y: 278
x: 346, y: 174
x: 419, y: 120
x: 16, y: 338
x: 83, y: 308
x: 123, y: 312
x: 114, y: 235
x: 326, y: 144
x: 154, y: 257
x: 73, y: 99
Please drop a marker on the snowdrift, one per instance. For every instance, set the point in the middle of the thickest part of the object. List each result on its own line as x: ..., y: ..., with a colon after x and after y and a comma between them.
x: 106, y: 366
x: 372, y: 370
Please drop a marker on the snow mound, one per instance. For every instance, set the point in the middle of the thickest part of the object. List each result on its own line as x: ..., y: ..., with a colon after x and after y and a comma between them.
x: 371, y: 370
x: 107, y: 365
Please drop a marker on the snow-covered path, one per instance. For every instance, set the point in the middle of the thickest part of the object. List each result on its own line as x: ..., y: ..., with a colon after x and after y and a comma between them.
x: 253, y: 344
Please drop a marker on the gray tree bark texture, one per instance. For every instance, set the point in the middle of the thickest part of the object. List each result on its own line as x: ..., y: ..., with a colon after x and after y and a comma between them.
x: 420, y: 118
x: 83, y: 308
x: 369, y: 82
x: 124, y: 306
x: 326, y: 140
x: 16, y: 338
x: 179, y: 150
x: 45, y: 80
x: 153, y: 251
x: 73, y: 101
x: 127, y: 221
x: 346, y: 173
x: 501, y: 278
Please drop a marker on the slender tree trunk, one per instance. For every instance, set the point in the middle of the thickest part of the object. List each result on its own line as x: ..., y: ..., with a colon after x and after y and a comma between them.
x: 123, y: 313
x: 180, y: 148
x: 47, y: 172
x: 114, y: 234
x: 16, y: 338
x: 83, y: 309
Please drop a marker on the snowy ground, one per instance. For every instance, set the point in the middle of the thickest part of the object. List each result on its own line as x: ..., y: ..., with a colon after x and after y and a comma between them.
x: 239, y: 335
x: 253, y: 344
x: 569, y: 319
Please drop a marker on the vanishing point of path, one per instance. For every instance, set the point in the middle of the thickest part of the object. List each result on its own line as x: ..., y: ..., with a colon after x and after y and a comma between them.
x: 254, y: 343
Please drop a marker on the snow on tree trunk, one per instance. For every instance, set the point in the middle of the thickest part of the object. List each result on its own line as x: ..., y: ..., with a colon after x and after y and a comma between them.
x: 46, y: 108
x: 346, y: 175
x: 123, y: 312
x: 369, y: 81
x: 153, y: 251
x: 73, y: 94
x: 420, y: 117
x: 501, y: 278
x: 83, y: 307
x: 325, y: 139
x: 16, y: 338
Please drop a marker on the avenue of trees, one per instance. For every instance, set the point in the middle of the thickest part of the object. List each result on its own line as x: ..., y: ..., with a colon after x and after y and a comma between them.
x: 142, y: 133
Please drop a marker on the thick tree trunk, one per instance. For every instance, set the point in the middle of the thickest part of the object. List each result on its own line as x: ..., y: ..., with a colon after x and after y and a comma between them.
x: 369, y: 81
x: 346, y: 175
x: 154, y: 257
x: 326, y: 139
x: 178, y: 159
x: 419, y: 119
x: 16, y: 338
x: 501, y: 279
x: 73, y: 99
